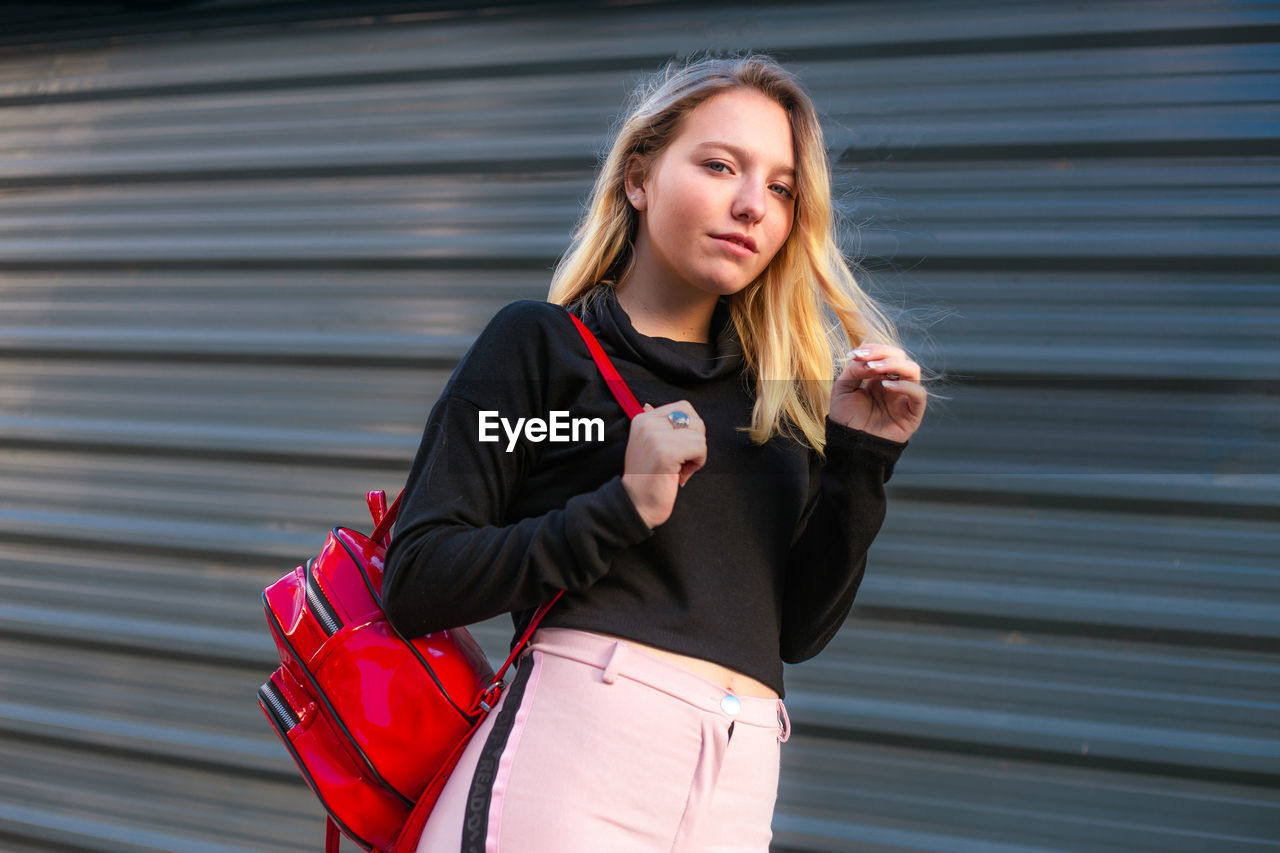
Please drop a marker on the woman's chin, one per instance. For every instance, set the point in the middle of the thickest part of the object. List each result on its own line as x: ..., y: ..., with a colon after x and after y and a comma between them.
x: 724, y: 286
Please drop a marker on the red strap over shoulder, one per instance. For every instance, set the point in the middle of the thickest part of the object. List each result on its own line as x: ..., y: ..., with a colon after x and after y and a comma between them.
x: 629, y: 405
x: 619, y: 388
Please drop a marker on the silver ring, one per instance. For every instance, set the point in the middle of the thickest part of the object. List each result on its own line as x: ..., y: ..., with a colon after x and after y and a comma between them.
x: 678, y: 419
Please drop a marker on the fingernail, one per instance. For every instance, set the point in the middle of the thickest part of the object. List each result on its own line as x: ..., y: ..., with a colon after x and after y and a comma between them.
x: 888, y: 383
x: 874, y: 363
x: 860, y: 352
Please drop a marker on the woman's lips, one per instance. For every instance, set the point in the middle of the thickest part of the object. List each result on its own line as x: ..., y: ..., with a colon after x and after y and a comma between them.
x: 734, y: 246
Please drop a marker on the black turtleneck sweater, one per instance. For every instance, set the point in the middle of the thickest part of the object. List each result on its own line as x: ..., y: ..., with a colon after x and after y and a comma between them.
x: 758, y: 563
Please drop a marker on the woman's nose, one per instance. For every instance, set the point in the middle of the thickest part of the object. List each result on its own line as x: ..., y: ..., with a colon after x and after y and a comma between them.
x: 749, y: 203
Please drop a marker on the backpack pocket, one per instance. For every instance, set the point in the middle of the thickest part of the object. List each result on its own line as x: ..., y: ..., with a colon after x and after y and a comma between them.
x: 362, y: 807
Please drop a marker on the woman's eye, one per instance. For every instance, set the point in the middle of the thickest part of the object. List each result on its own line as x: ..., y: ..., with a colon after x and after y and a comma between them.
x: 784, y: 191
x: 714, y: 164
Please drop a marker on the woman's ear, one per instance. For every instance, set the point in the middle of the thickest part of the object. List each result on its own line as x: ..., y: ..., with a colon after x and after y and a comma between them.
x: 633, y: 178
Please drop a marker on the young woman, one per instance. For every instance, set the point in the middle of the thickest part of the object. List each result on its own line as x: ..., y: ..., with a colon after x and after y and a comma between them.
x: 720, y: 533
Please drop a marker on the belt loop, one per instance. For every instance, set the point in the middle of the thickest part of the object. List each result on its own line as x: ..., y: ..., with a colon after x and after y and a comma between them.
x: 615, y: 663
x: 784, y: 723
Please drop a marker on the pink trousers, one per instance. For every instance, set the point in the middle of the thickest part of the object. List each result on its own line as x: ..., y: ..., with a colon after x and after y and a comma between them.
x: 597, y: 746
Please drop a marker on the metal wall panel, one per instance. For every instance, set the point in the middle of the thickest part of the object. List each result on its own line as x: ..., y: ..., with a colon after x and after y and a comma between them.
x: 217, y: 222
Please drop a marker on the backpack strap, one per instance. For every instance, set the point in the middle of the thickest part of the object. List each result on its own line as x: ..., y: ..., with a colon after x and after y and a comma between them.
x: 412, y: 830
x: 621, y: 392
x: 381, y: 534
x: 632, y: 407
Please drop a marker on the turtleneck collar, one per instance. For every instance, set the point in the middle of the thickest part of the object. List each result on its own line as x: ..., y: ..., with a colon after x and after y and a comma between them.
x: 677, y: 361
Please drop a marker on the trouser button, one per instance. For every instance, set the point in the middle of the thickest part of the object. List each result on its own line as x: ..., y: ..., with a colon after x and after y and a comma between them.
x: 730, y: 705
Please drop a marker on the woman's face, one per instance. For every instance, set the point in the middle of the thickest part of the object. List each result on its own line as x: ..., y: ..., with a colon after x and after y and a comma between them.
x: 718, y: 202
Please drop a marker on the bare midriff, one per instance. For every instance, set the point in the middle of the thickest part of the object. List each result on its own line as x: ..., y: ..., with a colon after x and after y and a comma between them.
x: 730, y: 679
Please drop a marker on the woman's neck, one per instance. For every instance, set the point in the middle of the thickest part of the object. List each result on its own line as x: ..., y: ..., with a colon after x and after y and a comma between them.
x: 661, y: 313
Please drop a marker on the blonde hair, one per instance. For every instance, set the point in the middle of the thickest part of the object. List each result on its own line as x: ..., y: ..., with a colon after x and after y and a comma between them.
x: 783, y: 318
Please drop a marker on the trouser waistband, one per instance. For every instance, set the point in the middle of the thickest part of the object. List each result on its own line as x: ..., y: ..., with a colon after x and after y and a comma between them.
x: 619, y: 659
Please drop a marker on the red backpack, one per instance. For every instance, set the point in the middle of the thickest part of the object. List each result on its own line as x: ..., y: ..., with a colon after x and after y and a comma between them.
x: 376, y: 721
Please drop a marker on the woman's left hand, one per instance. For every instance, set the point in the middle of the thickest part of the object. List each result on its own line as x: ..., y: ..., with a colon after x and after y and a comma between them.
x: 879, y: 392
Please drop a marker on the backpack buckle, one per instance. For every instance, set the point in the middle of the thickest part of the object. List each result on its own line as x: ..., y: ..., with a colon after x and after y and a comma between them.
x: 489, y: 696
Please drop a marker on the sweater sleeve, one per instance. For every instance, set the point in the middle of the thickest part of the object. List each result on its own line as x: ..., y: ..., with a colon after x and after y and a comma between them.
x: 455, y: 559
x: 845, y: 509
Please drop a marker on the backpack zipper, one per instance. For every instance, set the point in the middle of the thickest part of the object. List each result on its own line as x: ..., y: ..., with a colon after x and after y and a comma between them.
x: 319, y: 604
x: 282, y: 714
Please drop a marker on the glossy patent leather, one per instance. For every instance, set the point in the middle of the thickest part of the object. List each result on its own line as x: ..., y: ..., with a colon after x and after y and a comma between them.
x: 358, y: 696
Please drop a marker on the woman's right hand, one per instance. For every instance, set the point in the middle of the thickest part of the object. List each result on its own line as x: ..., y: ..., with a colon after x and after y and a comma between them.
x: 661, y: 458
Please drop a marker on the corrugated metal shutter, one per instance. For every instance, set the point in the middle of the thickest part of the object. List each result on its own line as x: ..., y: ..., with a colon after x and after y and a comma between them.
x: 238, y: 262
